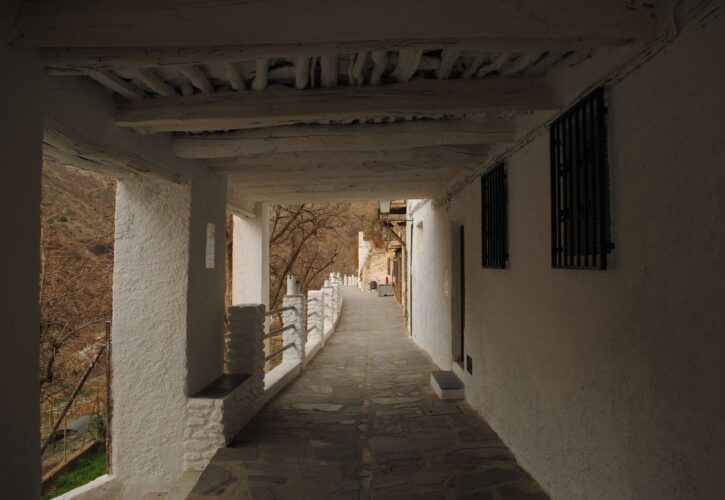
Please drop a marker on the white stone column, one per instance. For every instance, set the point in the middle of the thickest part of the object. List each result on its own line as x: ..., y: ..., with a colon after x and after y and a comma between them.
x: 333, y: 298
x: 328, y: 308
x: 245, y: 350
x: 339, y: 293
x: 250, y: 257
x: 298, y: 334
x: 21, y: 138
x: 168, y: 321
x: 315, y: 315
x: 336, y: 296
x: 149, y: 356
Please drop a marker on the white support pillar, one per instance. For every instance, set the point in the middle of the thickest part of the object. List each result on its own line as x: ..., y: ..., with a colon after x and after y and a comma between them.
x: 328, y: 308
x: 315, y: 315
x: 336, y: 295
x: 206, y: 270
x: 339, y: 291
x: 21, y: 138
x: 333, y: 298
x: 250, y: 262
x: 245, y: 351
x: 168, y: 306
x: 150, y: 286
x: 298, y: 334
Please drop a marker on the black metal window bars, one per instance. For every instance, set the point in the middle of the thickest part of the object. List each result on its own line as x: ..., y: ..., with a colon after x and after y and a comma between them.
x: 580, y: 221
x: 494, y: 217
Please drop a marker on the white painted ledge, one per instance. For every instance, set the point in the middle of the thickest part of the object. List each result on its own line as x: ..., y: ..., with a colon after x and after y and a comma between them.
x: 105, y: 486
x: 312, y: 347
x: 280, y: 376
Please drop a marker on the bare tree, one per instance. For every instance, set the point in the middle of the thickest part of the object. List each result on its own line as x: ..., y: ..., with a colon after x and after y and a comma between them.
x: 72, y: 310
x: 76, y: 275
x: 308, y: 240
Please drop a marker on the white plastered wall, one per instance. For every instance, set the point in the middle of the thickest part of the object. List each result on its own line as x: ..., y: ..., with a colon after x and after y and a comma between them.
x: 607, y: 384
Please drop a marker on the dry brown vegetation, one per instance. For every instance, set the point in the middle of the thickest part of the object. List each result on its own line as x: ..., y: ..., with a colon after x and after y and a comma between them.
x: 76, y: 274
x: 312, y: 240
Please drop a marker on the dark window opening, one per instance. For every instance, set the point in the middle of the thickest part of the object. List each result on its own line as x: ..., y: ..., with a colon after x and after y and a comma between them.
x: 580, y: 223
x: 494, y: 218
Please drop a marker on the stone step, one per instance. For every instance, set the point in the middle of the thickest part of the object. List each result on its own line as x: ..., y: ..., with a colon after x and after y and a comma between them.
x: 447, y: 385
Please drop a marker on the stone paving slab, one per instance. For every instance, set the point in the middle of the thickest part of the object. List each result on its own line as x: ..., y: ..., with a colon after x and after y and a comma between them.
x: 362, y: 422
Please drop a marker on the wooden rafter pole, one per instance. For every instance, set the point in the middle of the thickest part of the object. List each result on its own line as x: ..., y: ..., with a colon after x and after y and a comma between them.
x: 284, y: 106
x: 436, y: 157
x: 375, y: 137
x: 392, y: 228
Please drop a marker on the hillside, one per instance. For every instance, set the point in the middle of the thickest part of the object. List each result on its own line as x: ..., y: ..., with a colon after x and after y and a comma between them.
x: 77, y: 218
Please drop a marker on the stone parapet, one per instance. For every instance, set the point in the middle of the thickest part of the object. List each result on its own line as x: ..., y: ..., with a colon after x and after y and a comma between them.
x: 216, y: 415
x: 328, y: 307
x: 296, y: 317
x: 315, y: 315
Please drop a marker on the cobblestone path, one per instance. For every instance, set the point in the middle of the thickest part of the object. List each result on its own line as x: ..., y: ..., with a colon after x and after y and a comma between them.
x: 363, y: 422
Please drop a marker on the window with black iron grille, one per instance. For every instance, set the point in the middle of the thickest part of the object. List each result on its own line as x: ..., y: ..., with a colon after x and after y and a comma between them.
x: 580, y: 229
x: 494, y: 217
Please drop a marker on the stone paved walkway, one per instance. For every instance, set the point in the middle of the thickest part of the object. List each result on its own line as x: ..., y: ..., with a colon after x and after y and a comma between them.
x: 363, y: 422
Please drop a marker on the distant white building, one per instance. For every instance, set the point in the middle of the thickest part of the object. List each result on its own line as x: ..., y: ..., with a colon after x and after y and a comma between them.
x: 363, y: 250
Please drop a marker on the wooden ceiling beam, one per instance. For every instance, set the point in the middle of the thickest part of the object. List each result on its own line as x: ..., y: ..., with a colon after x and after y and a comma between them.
x: 78, y: 132
x: 160, y: 23
x: 197, y: 77
x: 277, y: 181
x: 342, y: 185
x: 350, y: 194
x: 366, y: 137
x: 285, y: 106
x: 117, y: 84
x: 155, y: 83
x: 76, y: 60
x: 341, y: 170
x: 436, y: 157
x: 346, y: 192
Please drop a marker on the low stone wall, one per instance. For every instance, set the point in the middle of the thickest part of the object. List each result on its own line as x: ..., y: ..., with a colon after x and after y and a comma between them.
x: 212, y: 423
x: 204, y: 432
x: 217, y: 414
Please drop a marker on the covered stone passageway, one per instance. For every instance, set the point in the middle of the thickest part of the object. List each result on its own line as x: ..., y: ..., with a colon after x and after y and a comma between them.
x: 561, y: 244
x: 362, y: 421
